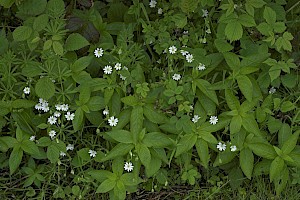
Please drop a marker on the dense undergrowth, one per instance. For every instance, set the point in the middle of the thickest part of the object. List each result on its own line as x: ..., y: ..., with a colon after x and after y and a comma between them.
x: 181, y: 99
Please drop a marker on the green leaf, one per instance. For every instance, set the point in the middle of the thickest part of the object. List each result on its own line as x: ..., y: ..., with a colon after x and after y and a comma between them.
x: 155, y: 166
x: 22, y: 33
x: 81, y: 63
x: 136, y: 121
x: 274, y: 72
x: 119, y: 150
x: 245, y: 86
x: 78, y: 119
x: 7, y: 3
x: 45, y: 88
x: 188, y: 6
x: 154, y: 116
x: 204, y: 85
x: 130, y: 100
x: 180, y: 20
x: 121, y: 136
x: 106, y: 186
x: 53, y: 153
x: 287, y: 106
x: 222, y: 45
x: 231, y: 100
x: 208, y: 137
x: 30, y: 147
x: 96, y: 103
x: 156, y: 139
x: 276, y: 167
x: 263, y: 150
x: 235, y: 124
x: 144, y: 154
x: 75, y: 41
x: 234, y: 31
x: 185, y: 143
x: 247, y: 162
x: 15, y: 159
x: 290, y: 143
x: 284, y: 134
x: 85, y: 94
x: 269, y: 15
x: 58, y: 48
x: 203, y: 152
x: 22, y: 103
x: 40, y: 22
x: 129, y: 179
x: 84, y: 154
x: 246, y: 20
x: 120, y: 190
x: 100, y: 175
x: 232, y: 60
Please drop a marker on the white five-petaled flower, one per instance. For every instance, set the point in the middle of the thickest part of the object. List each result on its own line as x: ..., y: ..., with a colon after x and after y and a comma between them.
x: 128, y: 166
x: 52, y: 134
x: 221, y: 146
x: 105, y: 111
x: 205, y: 13
x: 26, y: 90
x: 201, y: 67
x: 176, y: 77
x: 152, y: 3
x: 195, y: 118
x: 272, y: 90
x: 98, y: 52
x: 70, y: 147
x: 172, y: 49
x: 42, y: 105
x: 185, y: 32
x: 213, y: 120
x: 107, y: 69
x: 92, y: 153
x: 208, y: 31
x: 58, y: 107
x: 52, y: 120
x: 63, y: 154
x: 189, y: 58
x: 70, y: 116
x: 118, y: 66
x: 160, y: 11
x: 184, y: 53
x: 64, y: 107
x: 32, y: 138
x: 233, y: 148
x: 57, y: 114
x: 122, y: 77
x: 113, y: 121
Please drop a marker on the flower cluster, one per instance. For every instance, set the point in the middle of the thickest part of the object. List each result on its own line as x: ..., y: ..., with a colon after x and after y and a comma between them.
x: 42, y: 105
x: 222, y: 147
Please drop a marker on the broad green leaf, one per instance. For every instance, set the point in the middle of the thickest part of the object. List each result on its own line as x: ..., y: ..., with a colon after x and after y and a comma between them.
x: 222, y: 45
x: 15, y: 159
x: 45, y: 88
x: 269, y: 15
x: 231, y: 100
x: 245, y: 86
x: 236, y: 178
x: 100, y: 175
x: 106, y: 186
x: 96, y: 103
x: 124, y: 118
x: 136, y: 121
x: 188, y: 6
x: 232, y: 60
x: 22, y: 33
x: 250, y: 125
x: 130, y: 100
x: 144, y: 154
x: 224, y: 158
x: 121, y: 136
x: 263, y: 150
x: 22, y: 103
x: 234, y: 31
x: 7, y: 3
x: 58, y: 48
x: 154, y: 116
x: 53, y: 153
x: 81, y: 63
x: 246, y: 20
x: 75, y: 41
x: 85, y: 94
x: 208, y: 137
x: 129, y: 179
x: 290, y: 143
x: 276, y: 168
x: 84, y: 154
x: 235, y: 124
x: 180, y: 20
x: 30, y: 147
x: 156, y: 139
x: 287, y: 106
x: 40, y: 22
x: 203, y: 152
x: 204, y: 85
x: 78, y: 119
x: 247, y: 162
x: 284, y: 134
x: 120, y: 190
x: 119, y: 150
x: 223, y: 122
x: 154, y: 167
x: 186, y: 143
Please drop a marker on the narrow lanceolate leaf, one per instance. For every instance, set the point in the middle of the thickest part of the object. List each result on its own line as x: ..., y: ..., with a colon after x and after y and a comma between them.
x: 245, y: 86
x: 154, y: 116
x: 53, y: 153
x: 202, y: 149
x: 186, y: 143
x: 106, y: 186
x: 136, y: 121
x: 144, y: 154
x: 231, y: 100
x: 81, y: 63
x: 235, y: 124
x: 78, y: 119
x: 290, y: 143
x: 119, y: 150
x: 121, y: 136
x: 204, y: 85
x: 15, y: 159
x: 247, y: 162
x: 277, y: 166
x: 156, y: 139
x: 263, y: 150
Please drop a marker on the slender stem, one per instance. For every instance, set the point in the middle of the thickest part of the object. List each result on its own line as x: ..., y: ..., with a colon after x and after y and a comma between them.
x: 291, y: 8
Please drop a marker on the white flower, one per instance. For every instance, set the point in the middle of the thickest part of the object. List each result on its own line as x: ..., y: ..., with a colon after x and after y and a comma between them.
x: 63, y: 154
x: 213, y: 120
x: 113, y: 121
x: 160, y: 11
x: 125, y: 68
x: 128, y: 166
x: 57, y: 114
x: 184, y: 53
x: 42, y: 105
x: 52, y: 120
x: 208, y: 31
x: 107, y: 69
x: 221, y: 146
x: 42, y: 101
x: 58, y: 107
x: 98, y: 52
x: 26, y: 90
x: 172, y: 49
x: 70, y: 116
x: 118, y: 66
x: 185, y: 32
x: 105, y: 111
x: 205, y: 13
x: 64, y: 107
x: 45, y: 108
x: 70, y: 147
x: 122, y: 77
x: 32, y: 138
x: 176, y: 77
x: 195, y: 118
x: 52, y: 134
x: 201, y: 67
x: 152, y: 4
x: 272, y: 90
x: 189, y: 58
x: 233, y: 148
x: 92, y: 153
x: 38, y: 106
